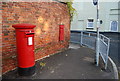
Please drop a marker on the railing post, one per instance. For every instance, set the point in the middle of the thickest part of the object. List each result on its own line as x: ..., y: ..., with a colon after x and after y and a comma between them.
x: 81, y: 38
x: 107, y: 53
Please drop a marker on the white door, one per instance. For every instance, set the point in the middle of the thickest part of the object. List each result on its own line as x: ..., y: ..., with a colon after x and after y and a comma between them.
x: 114, y: 26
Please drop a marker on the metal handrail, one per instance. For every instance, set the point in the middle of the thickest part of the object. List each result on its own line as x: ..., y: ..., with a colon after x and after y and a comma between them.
x: 103, y: 39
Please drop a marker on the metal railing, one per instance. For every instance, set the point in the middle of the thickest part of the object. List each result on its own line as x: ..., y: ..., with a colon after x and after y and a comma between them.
x: 104, y: 45
x: 89, y: 39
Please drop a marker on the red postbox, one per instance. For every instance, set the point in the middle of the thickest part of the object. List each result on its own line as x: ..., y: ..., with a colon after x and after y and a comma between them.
x: 25, y: 48
x: 61, y: 32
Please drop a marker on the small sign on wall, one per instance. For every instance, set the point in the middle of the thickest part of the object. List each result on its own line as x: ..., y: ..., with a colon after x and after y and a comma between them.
x: 30, y: 42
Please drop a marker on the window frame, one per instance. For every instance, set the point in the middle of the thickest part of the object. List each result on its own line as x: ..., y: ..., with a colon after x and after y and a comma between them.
x: 91, y: 23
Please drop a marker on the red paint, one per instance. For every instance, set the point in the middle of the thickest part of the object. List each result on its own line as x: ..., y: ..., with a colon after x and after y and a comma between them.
x: 25, y: 52
x: 61, y: 32
x: 23, y: 26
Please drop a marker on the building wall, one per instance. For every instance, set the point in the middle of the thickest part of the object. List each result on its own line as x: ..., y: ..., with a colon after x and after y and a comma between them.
x: 46, y: 16
x: 108, y: 11
x: 119, y: 17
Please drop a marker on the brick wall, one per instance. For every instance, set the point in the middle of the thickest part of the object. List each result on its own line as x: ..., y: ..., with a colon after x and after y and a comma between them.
x: 0, y: 39
x: 46, y: 16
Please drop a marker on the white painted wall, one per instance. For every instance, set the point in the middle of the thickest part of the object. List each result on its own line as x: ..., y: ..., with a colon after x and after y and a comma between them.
x: 108, y: 11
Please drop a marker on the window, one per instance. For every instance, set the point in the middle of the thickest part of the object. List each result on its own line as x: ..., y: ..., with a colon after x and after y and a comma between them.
x: 90, y: 23
x: 114, y: 26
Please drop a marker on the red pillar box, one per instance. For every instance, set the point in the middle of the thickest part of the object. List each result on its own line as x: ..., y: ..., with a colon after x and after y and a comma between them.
x: 25, y: 48
x: 61, y: 32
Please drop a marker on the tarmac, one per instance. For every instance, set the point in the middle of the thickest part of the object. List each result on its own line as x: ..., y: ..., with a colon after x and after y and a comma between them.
x: 74, y: 63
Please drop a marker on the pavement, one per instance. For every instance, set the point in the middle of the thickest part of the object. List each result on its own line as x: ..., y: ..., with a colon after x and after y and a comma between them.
x: 74, y: 63
x: 114, y: 52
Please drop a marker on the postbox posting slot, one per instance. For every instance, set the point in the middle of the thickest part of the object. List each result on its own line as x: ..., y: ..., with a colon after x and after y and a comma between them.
x: 29, y: 34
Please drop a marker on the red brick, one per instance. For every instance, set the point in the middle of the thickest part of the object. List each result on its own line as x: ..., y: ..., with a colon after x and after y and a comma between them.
x: 48, y: 38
